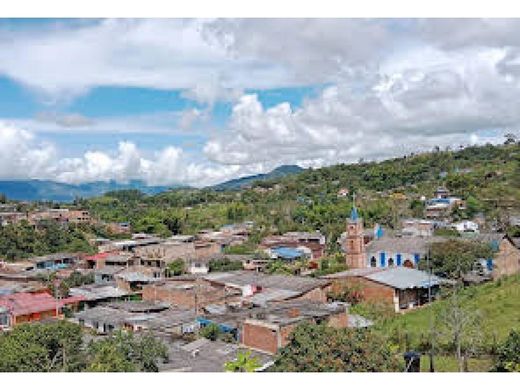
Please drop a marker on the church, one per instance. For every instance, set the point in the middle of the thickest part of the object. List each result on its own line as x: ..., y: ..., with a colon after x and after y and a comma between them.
x: 381, y: 252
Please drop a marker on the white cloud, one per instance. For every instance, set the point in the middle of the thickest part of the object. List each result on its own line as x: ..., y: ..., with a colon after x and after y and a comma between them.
x: 65, y: 61
x: 24, y: 156
x: 445, y: 104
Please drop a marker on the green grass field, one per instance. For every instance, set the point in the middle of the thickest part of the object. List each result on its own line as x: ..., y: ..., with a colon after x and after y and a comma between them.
x: 444, y: 363
x: 498, y: 304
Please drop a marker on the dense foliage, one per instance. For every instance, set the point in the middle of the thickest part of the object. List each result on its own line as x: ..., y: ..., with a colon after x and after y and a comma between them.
x: 124, y: 352
x: 453, y: 258
x: 508, y: 354
x: 42, y: 348
x: 314, y: 348
x: 22, y: 240
x: 487, y: 177
x: 60, y: 347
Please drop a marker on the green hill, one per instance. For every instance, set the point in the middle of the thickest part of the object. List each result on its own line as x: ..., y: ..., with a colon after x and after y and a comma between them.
x: 498, y: 304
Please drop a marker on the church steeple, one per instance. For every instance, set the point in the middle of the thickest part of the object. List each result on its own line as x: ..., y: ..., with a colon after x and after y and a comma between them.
x: 356, y: 255
x: 354, y: 213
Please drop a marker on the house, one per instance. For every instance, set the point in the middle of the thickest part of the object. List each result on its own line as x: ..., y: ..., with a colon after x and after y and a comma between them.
x: 129, y: 245
x: 160, y: 255
x: 187, y: 292
x: 106, y: 274
x: 55, y: 261
x: 136, y: 317
x: 111, y: 259
x: 343, y: 192
x: 12, y: 217
x: 441, y: 193
x: 269, y: 330
x: 399, y: 287
x: 119, y: 227
x: 418, y: 228
x: 288, y: 254
x: 466, y: 227
x: 24, y: 307
x: 260, y: 289
x: 315, y: 242
x: 507, y: 259
x: 134, y: 278
x: 93, y: 295
x: 268, y: 327
x: 203, y: 355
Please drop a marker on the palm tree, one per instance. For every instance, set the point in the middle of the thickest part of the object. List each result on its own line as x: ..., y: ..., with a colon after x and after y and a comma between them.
x: 243, y: 363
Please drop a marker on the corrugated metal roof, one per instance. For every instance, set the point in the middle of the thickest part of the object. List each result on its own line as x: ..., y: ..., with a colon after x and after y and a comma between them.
x: 404, y: 278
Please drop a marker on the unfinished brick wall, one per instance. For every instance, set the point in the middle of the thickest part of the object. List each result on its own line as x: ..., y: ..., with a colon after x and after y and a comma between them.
x: 187, y: 298
x: 370, y: 291
x: 318, y: 294
x: 507, y: 261
x: 260, y: 337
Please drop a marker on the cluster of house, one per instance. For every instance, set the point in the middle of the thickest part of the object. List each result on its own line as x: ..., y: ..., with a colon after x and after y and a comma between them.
x: 10, y: 215
x: 294, y: 245
x: 256, y: 310
x: 135, y: 290
x: 384, y: 268
x: 442, y: 204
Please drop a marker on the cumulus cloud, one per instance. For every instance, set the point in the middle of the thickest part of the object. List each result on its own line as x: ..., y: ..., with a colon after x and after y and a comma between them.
x: 24, y: 156
x: 412, y: 109
x: 392, y: 87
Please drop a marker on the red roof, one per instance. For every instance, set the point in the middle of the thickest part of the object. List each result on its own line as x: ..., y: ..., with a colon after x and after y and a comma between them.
x: 28, y: 303
x: 98, y: 256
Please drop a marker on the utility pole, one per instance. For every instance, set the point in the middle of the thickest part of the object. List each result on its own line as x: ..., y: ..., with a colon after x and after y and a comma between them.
x: 430, y: 270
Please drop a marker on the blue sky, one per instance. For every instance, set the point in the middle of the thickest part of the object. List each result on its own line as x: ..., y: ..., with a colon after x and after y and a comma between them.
x: 201, y: 101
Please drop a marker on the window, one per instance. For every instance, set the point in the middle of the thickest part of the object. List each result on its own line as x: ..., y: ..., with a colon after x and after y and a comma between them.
x: 4, y: 320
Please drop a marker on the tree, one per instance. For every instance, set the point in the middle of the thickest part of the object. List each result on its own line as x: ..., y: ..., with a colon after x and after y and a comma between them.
x: 510, y: 139
x: 211, y: 331
x: 42, y: 348
x: 314, y: 348
x: 508, y: 354
x: 123, y: 352
x: 176, y: 267
x: 460, y: 328
x: 243, y: 363
x: 456, y: 257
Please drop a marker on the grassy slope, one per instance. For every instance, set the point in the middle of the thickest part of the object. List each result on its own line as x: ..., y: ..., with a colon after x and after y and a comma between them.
x: 498, y: 303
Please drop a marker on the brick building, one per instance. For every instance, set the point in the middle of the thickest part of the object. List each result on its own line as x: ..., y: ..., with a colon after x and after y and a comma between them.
x: 188, y: 293
x: 269, y: 330
x: 24, y: 307
x: 260, y: 289
x: 399, y: 287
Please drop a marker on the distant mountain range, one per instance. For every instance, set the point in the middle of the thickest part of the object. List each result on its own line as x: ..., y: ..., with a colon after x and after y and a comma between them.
x: 44, y: 190
x: 242, y: 182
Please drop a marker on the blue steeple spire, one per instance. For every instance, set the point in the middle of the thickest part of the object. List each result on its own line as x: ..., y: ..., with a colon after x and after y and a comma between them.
x: 354, y: 213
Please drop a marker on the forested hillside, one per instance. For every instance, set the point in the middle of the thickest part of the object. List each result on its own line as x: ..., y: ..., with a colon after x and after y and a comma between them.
x: 485, y: 176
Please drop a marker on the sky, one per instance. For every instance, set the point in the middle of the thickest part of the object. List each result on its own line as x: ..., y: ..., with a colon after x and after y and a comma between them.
x: 198, y: 102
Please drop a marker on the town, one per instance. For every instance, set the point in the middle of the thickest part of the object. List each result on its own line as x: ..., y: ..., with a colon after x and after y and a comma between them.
x: 208, y: 303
